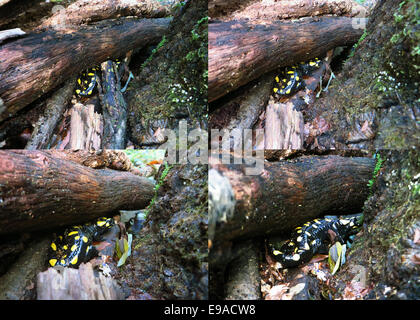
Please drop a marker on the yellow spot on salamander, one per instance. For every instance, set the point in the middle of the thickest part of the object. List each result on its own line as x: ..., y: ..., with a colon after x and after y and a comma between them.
x: 90, y: 92
x: 275, y: 89
x: 85, y: 239
x: 306, y: 247
x: 73, y: 232
x: 290, y: 72
x: 297, y: 78
x: 100, y: 223
x: 277, y: 252
x: 288, y: 91
x: 289, y: 83
x: 73, y: 247
x: 74, y: 261
x: 76, y: 237
x: 296, y: 249
x: 53, y: 246
x: 91, y: 74
x: 277, y: 79
x: 312, y: 63
x: 299, y: 231
x: 315, y: 226
x: 299, y: 239
x: 62, y: 261
x: 79, y: 81
x: 53, y: 262
x: 77, y: 91
x: 284, y: 80
x: 308, y: 234
x: 344, y: 221
x: 65, y: 247
x: 291, y: 244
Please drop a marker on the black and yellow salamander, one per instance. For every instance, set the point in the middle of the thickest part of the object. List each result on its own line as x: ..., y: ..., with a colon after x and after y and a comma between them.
x: 314, y: 237
x: 75, y: 245
x: 86, y: 82
x: 290, y: 80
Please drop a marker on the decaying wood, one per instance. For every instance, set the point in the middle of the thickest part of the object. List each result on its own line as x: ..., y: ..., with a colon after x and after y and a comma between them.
x: 86, y: 127
x: 249, y: 105
x: 283, y: 127
x: 39, y: 190
x: 241, y: 51
x: 53, y: 113
x: 88, y: 11
x: 293, y: 9
x: 19, y: 280
x: 40, y: 61
x: 289, y: 193
x: 243, y: 276
x: 114, y: 108
x: 273, y: 9
x: 77, y: 284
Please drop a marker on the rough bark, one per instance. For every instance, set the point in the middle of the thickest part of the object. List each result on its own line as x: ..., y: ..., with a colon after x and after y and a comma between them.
x: 283, y: 127
x: 241, y: 51
x: 40, y: 190
x: 287, y: 194
x: 53, y: 113
x: 86, y: 127
x: 179, y: 89
x: 272, y: 9
x: 375, y: 97
x: 88, y: 11
x: 39, y: 62
x: 77, y: 284
x: 243, y: 277
x: 114, y: 109
x: 18, y: 282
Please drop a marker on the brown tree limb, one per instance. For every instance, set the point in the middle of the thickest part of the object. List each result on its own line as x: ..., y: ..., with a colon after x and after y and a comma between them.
x: 287, y: 194
x: 41, y: 190
x: 285, y: 9
x: 86, y: 127
x: 241, y: 51
x: 39, y: 62
x: 53, y: 113
x: 88, y: 11
x: 114, y: 108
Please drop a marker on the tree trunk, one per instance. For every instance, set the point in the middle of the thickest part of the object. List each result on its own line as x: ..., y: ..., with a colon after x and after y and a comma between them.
x: 241, y: 51
x: 88, y: 11
x: 39, y: 62
x: 375, y: 96
x: 289, y: 193
x: 285, y: 9
x: 42, y: 189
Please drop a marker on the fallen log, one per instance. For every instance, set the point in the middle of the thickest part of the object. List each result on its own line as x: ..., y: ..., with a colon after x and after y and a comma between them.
x: 285, y: 9
x: 88, y: 11
x: 53, y: 113
x: 41, y: 189
x: 37, y: 63
x: 114, y: 108
x: 77, y: 284
x: 293, y: 9
x: 288, y: 193
x: 241, y: 51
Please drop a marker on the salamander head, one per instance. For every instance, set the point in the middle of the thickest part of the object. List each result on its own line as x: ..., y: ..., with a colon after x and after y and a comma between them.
x: 351, y: 224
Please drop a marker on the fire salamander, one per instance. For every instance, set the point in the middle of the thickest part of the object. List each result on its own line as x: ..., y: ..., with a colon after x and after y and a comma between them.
x: 314, y: 237
x: 290, y: 81
x: 88, y: 79
x: 75, y: 245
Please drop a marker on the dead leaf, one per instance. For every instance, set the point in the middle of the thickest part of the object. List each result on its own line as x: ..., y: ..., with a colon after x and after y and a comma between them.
x: 278, y: 292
